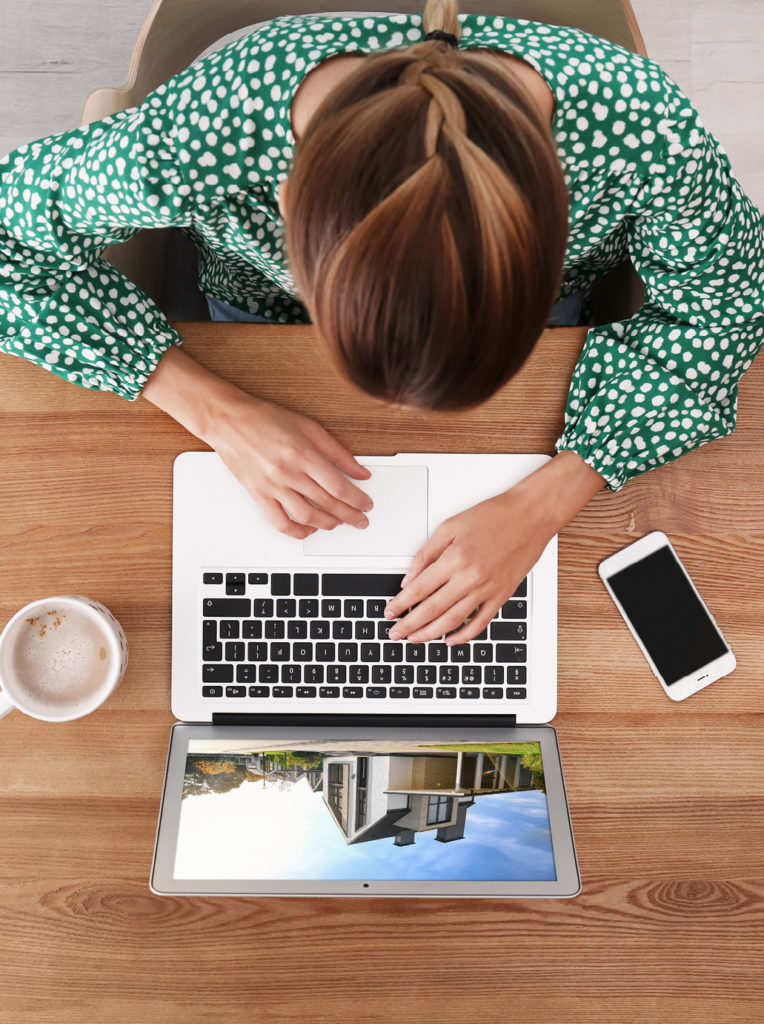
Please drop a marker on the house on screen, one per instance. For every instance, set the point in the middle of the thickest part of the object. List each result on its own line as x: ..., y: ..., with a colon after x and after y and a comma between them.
x: 394, y: 796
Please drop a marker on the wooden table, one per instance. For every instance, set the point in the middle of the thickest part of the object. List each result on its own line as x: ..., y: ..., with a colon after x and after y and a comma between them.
x: 667, y: 800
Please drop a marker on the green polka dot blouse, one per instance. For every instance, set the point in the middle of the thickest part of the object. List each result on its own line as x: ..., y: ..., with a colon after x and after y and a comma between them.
x: 206, y: 151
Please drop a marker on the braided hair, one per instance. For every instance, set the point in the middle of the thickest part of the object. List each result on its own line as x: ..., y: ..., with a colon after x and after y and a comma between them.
x: 426, y: 221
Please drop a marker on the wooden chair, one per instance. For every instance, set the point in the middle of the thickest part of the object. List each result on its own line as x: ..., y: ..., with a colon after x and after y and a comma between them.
x: 176, y: 32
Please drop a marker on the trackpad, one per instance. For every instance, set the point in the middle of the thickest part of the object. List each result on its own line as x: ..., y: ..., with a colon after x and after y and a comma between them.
x: 397, y: 523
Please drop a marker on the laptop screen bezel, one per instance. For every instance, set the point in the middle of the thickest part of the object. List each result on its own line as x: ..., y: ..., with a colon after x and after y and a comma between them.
x: 163, y: 881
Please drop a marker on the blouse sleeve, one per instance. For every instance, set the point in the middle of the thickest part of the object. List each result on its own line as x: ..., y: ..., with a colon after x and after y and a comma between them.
x: 652, y: 387
x: 62, y: 201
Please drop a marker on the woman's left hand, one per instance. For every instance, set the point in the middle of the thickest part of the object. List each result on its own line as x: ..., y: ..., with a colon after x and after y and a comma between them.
x: 475, y: 560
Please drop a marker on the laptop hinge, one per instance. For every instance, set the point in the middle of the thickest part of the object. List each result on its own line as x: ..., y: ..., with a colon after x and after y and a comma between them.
x: 366, y: 721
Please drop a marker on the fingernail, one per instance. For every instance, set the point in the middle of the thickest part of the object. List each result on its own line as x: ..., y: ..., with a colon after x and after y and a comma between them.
x: 394, y: 634
x: 405, y: 579
x: 362, y: 523
x: 389, y: 614
x: 368, y: 506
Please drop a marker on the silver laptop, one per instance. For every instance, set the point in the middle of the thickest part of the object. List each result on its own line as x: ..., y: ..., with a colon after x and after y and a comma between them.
x: 318, y: 745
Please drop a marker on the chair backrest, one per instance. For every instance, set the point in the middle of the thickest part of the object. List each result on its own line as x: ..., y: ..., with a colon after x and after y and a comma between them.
x: 175, y: 32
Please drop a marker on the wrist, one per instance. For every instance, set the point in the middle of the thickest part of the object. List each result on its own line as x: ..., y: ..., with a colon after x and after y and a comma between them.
x: 559, y: 490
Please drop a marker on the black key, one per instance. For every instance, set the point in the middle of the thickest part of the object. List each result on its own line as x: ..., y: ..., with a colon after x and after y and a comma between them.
x: 257, y: 579
x: 306, y: 691
x: 400, y: 691
x: 236, y: 691
x: 246, y: 673
x: 297, y: 630
x: 251, y: 629
x: 219, y: 607
x: 352, y: 609
x: 320, y: 630
x: 369, y: 652
x: 426, y: 674
x: 342, y: 630
x: 461, y: 653
x: 383, y: 629
x: 325, y: 652
x: 392, y: 652
x: 212, y: 652
x: 494, y: 675
x: 404, y: 674
x: 352, y: 691
x: 510, y: 652
x: 305, y: 584
x: 275, y: 629
x: 522, y: 590
x: 229, y: 629
x: 509, y: 631
x: 471, y: 675
x: 437, y: 652
x: 448, y: 675
x: 516, y: 676
x: 358, y: 674
x: 212, y: 577
x: 415, y: 652
x: 375, y: 609
x: 302, y: 651
x: 234, y: 650
x: 482, y: 652
x: 331, y: 609
x: 283, y: 691
x: 212, y: 691
x: 257, y: 651
x: 209, y: 631
x: 291, y: 673
x: 268, y: 674
x: 446, y: 692
x: 493, y: 692
x: 376, y: 691
x: 259, y: 691
x: 234, y: 584
x: 262, y: 607
x: 422, y: 692
x: 364, y: 630
x: 381, y: 675
x: 336, y: 673
x: 516, y: 693
x: 347, y: 652
x: 279, y: 652
x: 217, y: 673
x: 360, y: 585
x: 314, y: 674
x: 514, y: 610
x: 286, y: 608
x: 328, y: 691
x: 281, y: 586
x: 469, y: 692
x: 308, y: 608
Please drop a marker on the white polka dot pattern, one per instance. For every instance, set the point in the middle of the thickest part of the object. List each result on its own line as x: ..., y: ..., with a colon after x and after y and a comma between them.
x: 206, y: 151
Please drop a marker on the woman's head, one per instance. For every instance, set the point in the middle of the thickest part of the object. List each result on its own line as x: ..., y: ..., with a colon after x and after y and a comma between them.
x: 426, y: 221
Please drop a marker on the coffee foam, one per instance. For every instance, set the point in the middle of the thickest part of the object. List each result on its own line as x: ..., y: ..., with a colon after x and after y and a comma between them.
x: 60, y: 659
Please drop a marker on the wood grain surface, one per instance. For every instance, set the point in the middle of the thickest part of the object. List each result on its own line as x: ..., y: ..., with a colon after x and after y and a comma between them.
x: 667, y: 800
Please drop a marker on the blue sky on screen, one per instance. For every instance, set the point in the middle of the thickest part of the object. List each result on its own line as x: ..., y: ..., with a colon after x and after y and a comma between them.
x: 257, y: 832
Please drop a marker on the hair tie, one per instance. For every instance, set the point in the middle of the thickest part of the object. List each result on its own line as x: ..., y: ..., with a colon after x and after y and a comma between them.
x: 447, y: 37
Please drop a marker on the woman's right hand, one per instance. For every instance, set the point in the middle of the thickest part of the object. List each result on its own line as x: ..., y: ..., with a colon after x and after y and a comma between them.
x: 291, y: 466
x: 288, y: 463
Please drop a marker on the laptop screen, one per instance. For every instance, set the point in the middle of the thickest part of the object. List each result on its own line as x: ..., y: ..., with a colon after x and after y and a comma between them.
x: 393, y: 810
x: 399, y: 811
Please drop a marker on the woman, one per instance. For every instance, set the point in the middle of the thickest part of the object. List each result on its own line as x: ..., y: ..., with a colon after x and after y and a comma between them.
x: 441, y: 195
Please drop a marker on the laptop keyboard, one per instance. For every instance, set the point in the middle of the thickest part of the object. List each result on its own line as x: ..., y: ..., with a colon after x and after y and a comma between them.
x: 324, y: 635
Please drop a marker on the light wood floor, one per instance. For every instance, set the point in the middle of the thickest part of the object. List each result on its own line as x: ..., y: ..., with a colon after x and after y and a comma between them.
x: 53, y: 52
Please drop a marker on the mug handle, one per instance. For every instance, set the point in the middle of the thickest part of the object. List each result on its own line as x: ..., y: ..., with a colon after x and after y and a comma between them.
x: 6, y: 704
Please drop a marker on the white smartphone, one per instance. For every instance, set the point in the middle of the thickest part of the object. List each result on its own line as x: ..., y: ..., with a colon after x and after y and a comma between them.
x: 666, y: 615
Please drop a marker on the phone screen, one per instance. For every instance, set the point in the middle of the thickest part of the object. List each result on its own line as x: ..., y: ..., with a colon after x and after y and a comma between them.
x: 667, y: 615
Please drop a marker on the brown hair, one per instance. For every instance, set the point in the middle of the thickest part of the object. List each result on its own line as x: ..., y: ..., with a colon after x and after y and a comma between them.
x: 426, y: 221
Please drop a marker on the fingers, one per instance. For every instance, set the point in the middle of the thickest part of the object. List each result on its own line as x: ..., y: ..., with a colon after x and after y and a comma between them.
x: 423, y: 577
x: 301, y: 511
x: 476, y: 624
x: 339, y: 455
x: 322, y: 499
x: 281, y: 521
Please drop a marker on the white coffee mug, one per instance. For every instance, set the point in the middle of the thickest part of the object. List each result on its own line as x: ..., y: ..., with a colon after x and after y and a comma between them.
x: 60, y: 658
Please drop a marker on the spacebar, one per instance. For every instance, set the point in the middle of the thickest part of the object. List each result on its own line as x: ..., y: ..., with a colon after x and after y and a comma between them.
x: 356, y: 584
